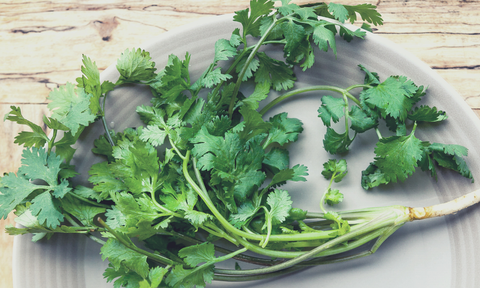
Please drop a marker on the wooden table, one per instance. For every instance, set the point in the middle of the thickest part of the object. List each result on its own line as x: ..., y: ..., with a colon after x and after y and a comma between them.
x: 41, y: 43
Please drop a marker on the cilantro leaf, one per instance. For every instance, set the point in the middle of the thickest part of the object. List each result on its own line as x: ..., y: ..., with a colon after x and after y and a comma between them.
x: 280, y: 204
x: 398, y: 156
x: 250, y: 18
x: 427, y: 114
x: 90, y: 82
x: 189, y: 278
x: 394, y: 97
x: 224, y: 50
x: 373, y: 177
x: 135, y: 66
x: 449, y: 156
x: 360, y: 120
x: 121, y: 256
x: 336, y: 169
x: 37, y: 138
x: 294, y: 34
x: 215, y: 77
x: 46, y: 209
x: 244, y: 213
x: 260, y: 93
x: 197, y: 254
x: 275, y: 72
x: 70, y: 106
x: 339, y: 224
x: 338, y: 11
x: 324, y: 37
x: 333, y: 196
x: 332, y: 109
x: 276, y: 159
x: 123, y: 276
x: 284, y: 130
x: 234, y: 166
x: 367, y: 12
x: 336, y: 143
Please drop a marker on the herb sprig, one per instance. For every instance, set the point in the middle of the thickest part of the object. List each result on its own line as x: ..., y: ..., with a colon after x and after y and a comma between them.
x: 204, y: 169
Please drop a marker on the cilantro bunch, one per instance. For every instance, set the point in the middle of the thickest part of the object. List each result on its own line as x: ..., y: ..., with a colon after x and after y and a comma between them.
x: 205, y: 171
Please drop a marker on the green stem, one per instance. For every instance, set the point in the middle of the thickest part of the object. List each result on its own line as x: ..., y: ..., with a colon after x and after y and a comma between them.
x: 247, y: 63
x: 302, y: 90
x: 89, y: 201
x: 230, y: 228
x: 104, y: 121
x: 52, y: 141
x: 391, y: 218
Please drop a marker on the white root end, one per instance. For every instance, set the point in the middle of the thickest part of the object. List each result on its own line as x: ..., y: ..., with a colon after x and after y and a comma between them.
x: 451, y: 207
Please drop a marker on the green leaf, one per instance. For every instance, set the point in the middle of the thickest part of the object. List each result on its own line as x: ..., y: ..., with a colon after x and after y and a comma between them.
x: 224, y: 50
x: 294, y: 34
x: 275, y: 72
x: 188, y: 278
x: 153, y: 135
x: 449, y: 156
x: 260, y: 93
x: 367, y: 12
x: 336, y: 143
x: 37, y: 138
x: 135, y: 66
x: 284, y: 130
x: 397, y: 156
x: 215, y: 77
x: 394, y: 97
x: 250, y: 18
x: 332, y: 109
x: 90, y: 82
x: 373, y: 177
x: 105, y: 182
x: 277, y: 159
x: 46, y: 210
x: 13, y: 191
x: 333, y: 196
x: 323, y: 38
x: 196, y: 254
x: 427, y: 114
x: 70, y: 106
x: 360, y: 120
x: 244, y: 213
x: 124, y: 277
x: 253, y: 124
x: 339, y: 224
x: 36, y: 165
x: 338, y: 11
x: 121, y: 256
x: 280, y: 204
x: 336, y: 169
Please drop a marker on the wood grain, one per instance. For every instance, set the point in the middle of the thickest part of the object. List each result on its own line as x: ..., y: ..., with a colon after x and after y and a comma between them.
x: 42, y: 43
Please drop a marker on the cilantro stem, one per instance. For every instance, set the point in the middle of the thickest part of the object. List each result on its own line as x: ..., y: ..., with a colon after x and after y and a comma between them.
x: 52, y: 141
x: 176, y: 149
x: 104, y: 122
x: 391, y: 218
x: 247, y: 63
x: 199, y: 177
x: 229, y: 227
x: 89, y: 201
x: 308, y: 89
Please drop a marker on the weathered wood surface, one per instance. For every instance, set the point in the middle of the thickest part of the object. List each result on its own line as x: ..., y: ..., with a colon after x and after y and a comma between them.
x: 41, y: 43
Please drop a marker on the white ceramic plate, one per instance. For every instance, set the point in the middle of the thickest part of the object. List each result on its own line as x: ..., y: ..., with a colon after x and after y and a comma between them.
x: 435, y: 253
